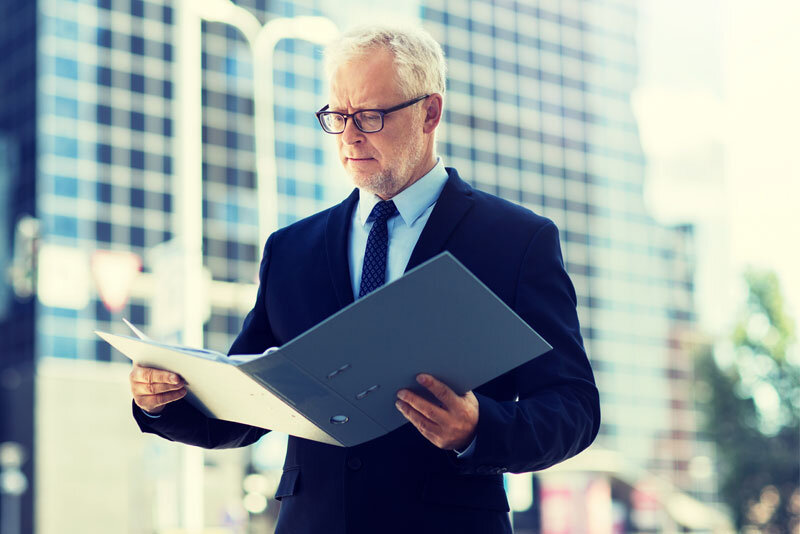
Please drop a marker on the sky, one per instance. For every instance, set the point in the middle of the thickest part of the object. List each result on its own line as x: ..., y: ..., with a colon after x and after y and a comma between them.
x: 718, y: 106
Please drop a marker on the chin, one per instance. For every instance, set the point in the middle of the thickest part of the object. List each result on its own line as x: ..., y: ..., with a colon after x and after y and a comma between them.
x: 382, y: 183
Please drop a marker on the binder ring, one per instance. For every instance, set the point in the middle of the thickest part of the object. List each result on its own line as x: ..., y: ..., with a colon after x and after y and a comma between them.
x: 341, y: 369
x: 367, y: 391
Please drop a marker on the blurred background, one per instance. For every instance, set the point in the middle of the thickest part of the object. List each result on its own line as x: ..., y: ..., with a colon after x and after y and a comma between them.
x: 148, y: 147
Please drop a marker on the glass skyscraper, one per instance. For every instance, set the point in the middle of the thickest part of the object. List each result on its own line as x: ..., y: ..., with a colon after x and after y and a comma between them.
x: 537, y: 111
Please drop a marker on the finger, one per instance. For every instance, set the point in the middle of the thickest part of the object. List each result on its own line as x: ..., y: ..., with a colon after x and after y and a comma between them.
x: 170, y: 396
x: 150, y: 374
x: 150, y: 402
x: 422, y: 405
x: 153, y: 388
x: 442, y: 392
x: 426, y: 427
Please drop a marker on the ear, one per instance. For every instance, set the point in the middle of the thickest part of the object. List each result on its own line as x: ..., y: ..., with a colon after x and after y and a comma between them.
x: 433, y: 113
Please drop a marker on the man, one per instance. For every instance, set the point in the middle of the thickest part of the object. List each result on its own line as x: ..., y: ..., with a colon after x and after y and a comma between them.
x: 441, y: 473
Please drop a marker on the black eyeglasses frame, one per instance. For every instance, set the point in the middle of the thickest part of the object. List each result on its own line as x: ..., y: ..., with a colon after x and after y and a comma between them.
x: 383, y: 113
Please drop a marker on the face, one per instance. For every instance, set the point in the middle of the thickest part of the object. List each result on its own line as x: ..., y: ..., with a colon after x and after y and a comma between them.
x: 388, y: 161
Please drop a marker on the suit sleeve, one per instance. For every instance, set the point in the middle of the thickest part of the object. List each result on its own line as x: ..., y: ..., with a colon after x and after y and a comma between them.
x: 557, y: 413
x: 180, y: 421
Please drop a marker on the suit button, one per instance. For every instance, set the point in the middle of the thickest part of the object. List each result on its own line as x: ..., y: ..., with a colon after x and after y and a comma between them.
x: 354, y: 463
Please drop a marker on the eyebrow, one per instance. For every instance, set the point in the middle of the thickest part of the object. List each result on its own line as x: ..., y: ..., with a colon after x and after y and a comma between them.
x: 362, y: 108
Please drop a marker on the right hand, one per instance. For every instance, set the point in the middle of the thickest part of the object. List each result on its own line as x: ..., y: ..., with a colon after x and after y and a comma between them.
x: 154, y: 388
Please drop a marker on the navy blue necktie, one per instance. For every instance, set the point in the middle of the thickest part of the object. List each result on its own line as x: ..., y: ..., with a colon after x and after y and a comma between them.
x: 373, y: 271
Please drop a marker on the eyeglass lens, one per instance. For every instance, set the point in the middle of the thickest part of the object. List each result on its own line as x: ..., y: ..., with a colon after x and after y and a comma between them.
x: 367, y: 121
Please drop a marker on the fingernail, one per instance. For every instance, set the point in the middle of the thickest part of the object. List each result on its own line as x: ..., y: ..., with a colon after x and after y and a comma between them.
x: 423, y: 379
x: 174, y: 379
x: 397, y: 405
x: 402, y: 394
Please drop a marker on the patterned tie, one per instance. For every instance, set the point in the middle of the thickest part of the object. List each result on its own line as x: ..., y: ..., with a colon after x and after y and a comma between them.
x: 373, y: 272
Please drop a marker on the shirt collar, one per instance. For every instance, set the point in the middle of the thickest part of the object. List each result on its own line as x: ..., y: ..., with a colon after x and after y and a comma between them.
x: 412, y: 201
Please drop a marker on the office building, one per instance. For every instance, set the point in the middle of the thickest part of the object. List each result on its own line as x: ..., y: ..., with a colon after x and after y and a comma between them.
x: 537, y: 111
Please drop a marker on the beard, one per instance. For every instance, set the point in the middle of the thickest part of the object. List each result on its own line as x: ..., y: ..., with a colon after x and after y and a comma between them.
x: 390, y: 181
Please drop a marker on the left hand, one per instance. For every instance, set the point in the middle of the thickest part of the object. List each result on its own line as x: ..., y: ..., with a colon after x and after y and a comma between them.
x: 450, y: 426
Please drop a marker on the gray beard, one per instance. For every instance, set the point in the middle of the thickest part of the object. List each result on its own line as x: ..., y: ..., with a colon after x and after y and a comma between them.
x: 389, y: 182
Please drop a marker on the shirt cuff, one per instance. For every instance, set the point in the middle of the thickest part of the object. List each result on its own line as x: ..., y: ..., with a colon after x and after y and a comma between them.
x: 150, y: 415
x: 466, y: 453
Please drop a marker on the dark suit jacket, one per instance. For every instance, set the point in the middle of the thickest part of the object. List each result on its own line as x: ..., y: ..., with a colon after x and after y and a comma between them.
x: 530, y: 418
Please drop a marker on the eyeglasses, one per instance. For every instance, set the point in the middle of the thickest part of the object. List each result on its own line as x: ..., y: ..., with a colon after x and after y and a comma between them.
x: 366, y: 120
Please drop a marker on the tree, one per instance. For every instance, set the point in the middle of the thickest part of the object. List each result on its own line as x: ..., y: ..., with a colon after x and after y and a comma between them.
x: 750, y: 396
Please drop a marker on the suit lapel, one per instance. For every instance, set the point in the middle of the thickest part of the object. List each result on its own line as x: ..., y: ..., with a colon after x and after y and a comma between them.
x: 453, y: 203
x: 337, y: 237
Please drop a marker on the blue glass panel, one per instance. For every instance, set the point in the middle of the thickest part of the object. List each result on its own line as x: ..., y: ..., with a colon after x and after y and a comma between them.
x: 137, y: 8
x: 103, y: 153
x: 65, y: 226
x: 104, y: 76
x: 137, y: 45
x: 230, y: 66
x: 103, y: 114
x: 65, y: 146
x: 67, y: 29
x: 66, y: 68
x: 137, y: 159
x: 64, y: 347
x: 65, y: 313
x: 103, y: 231
x: 137, y: 236
x: 104, y: 192
x: 66, y: 107
x: 137, y: 121
x: 65, y: 186
x: 104, y: 37
x: 137, y: 83
x: 137, y: 313
x: 137, y: 197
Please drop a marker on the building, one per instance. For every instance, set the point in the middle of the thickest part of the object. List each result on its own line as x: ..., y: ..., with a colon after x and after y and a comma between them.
x: 538, y: 111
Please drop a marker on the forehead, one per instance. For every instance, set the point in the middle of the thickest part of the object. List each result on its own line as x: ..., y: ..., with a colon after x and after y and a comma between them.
x: 365, y: 81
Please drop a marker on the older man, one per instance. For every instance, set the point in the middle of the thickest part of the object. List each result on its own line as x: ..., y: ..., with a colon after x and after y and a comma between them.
x: 443, y: 472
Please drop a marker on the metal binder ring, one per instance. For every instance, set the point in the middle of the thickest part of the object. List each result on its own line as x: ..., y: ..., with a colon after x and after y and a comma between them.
x: 367, y: 391
x: 345, y: 367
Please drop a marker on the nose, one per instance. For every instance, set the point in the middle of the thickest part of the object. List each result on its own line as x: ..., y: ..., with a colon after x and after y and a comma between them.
x: 351, y: 134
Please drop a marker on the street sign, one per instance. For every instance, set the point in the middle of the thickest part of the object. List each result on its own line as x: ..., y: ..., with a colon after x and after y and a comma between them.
x: 114, y: 272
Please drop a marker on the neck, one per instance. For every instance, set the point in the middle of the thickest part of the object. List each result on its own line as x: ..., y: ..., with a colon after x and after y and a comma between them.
x: 425, y: 166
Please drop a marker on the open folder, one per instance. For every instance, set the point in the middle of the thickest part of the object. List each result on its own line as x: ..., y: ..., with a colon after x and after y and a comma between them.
x: 337, y: 382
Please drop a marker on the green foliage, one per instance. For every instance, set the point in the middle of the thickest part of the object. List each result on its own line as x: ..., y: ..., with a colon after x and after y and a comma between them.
x: 752, y: 411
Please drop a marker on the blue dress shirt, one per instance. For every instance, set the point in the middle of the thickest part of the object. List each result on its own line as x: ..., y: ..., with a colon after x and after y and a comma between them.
x: 414, y: 206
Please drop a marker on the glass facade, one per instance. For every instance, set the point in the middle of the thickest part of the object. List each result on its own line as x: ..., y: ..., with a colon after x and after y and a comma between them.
x: 537, y: 111
x: 106, y: 133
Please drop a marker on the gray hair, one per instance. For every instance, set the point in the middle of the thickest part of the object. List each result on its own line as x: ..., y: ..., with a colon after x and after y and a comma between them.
x: 418, y: 58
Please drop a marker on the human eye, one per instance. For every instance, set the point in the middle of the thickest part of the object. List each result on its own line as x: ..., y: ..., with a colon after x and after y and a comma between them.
x: 333, y: 120
x: 370, y: 119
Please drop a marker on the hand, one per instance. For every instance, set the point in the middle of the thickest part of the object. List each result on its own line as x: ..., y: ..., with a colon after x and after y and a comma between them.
x: 450, y: 426
x: 153, y: 388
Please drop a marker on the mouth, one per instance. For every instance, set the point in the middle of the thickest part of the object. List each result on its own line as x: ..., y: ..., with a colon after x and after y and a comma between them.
x: 358, y: 162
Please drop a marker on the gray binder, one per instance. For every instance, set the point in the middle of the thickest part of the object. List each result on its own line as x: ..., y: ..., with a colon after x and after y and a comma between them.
x: 337, y: 382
